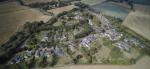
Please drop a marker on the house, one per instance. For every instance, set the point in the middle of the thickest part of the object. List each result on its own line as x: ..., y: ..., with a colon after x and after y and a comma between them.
x: 90, y: 22
x: 87, y: 40
x: 44, y: 39
x: 123, y: 46
x: 58, y: 51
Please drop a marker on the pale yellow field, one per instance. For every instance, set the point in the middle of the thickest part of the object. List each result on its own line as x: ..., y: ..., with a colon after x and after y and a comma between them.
x: 61, y: 9
x: 14, y: 16
x: 36, y: 1
x: 92, y: 2
x: 139, y: 21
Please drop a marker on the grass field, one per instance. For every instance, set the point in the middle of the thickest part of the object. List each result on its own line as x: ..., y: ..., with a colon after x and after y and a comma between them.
x: 111, y: 9
x: 139, y: 21
x: 14, y: 16
x: 61, y: 9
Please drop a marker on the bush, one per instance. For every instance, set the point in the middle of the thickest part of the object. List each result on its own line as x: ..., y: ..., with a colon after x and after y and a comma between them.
x: 54, y: 60
x: 81, y: 5
x: 116, y: 52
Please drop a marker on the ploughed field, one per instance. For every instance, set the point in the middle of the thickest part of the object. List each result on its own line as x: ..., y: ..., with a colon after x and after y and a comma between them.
x: 13, y: 17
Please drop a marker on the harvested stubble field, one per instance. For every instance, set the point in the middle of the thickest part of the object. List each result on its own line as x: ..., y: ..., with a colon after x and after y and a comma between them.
x: 139, y: 21
x: 13, y: 17
x: 62, y: 9
x: 92, y: 2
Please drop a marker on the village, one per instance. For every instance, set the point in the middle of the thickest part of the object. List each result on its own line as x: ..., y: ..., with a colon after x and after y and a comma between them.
x: 78, y: 30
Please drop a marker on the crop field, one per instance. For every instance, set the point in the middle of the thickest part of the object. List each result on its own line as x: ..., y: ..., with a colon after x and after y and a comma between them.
x: 13, y: 17
x: 112, y: 9
x: 62, y: 9
x: 139, y: 21
x: 10, y: 7
x: 92, y: 2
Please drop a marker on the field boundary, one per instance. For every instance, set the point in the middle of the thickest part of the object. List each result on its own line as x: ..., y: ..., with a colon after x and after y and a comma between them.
x: 143, y: 39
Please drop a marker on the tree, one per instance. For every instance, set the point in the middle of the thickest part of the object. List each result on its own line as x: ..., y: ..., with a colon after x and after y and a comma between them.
x: 116, y: 52
x: 54, y: 60
x: 52, y: 20
x: 130, y: 2
x: 21, y: 2
x: 81, y: 5
x: 44, y: 61
x: 132, y: 61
